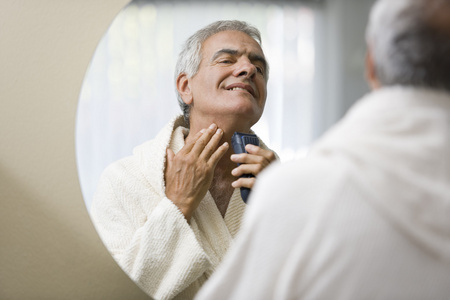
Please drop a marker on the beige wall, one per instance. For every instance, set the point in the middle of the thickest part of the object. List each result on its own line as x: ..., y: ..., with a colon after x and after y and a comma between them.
x: 48, y: 247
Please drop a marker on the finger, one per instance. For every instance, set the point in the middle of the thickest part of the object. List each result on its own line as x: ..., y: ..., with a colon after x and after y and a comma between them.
x: 267, y: 154
x: 212, y: 145
x: 245, y: 158
x: 170, y: 156
x: 244, y: 182
x: 218, y: 154
x: 169, y: 161
x: 253, y: 169
x: 201, y: 143
x: 190, y: 144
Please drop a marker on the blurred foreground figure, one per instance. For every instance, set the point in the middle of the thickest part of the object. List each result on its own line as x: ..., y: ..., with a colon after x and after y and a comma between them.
x: 367, y: 214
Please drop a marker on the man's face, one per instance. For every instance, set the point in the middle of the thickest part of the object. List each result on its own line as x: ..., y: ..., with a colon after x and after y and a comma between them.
x: 231, y: 78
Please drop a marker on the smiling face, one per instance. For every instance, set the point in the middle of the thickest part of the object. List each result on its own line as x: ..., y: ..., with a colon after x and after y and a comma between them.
x: 231, y: 81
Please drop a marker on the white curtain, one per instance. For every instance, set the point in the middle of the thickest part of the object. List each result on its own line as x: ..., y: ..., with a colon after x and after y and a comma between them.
x: 128, y: 93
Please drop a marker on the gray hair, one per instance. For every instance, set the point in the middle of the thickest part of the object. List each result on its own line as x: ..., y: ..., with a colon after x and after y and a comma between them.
x: 190, y: 56
x: 408, y: 44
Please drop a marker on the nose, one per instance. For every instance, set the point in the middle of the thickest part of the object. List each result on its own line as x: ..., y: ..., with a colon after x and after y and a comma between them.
x: 245, y: 68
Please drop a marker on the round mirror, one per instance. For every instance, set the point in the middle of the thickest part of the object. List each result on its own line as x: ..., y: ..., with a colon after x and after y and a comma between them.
x: 128, y: 94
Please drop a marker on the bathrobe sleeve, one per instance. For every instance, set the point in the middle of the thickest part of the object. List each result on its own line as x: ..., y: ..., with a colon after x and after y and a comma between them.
x: 146, y: 233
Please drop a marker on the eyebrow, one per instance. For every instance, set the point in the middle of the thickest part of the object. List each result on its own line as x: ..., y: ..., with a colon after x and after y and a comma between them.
x: 252, y: 56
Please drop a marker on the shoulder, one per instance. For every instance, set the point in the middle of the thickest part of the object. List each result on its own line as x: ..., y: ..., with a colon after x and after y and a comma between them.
x: 304, y: 174
x: 121, y: 168
x: 300, y: 189
x: 146, y: 157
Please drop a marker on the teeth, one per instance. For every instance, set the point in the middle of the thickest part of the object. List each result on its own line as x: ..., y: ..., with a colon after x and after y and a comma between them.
x: 237, y: 88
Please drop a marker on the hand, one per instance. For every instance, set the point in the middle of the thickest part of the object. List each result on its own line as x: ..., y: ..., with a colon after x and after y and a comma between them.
x: 253, y: 162
x: 189, y: 173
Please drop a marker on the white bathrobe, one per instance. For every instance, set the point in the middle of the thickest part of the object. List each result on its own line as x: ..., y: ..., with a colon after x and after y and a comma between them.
x: 148, y: 235
x: 366, y: 215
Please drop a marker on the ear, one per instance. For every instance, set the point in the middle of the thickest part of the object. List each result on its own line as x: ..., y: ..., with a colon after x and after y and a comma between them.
x: 371, y: 74
x: 184, y: 88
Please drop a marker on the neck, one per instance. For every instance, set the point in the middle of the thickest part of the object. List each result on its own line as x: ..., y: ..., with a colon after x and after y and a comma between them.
x: 229, y: 127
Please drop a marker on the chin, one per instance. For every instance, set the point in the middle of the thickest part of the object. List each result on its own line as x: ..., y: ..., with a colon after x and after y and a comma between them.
x: 244, y: 108
x: 248, y: 111
x: 250, y: 116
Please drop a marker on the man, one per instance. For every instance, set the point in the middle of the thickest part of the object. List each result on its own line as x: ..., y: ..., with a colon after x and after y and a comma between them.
x: 169, y: 213
x: 367, y: 214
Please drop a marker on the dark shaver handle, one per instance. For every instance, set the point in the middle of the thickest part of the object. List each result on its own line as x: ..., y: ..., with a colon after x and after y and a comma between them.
x: 238, y: 141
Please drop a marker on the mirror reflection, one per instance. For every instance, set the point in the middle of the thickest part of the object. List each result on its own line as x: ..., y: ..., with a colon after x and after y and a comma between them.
x: 129, y: 92
x: 168, y: 216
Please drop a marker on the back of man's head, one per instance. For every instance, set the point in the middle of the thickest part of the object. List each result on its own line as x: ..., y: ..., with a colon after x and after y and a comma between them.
x: 410, y: 42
